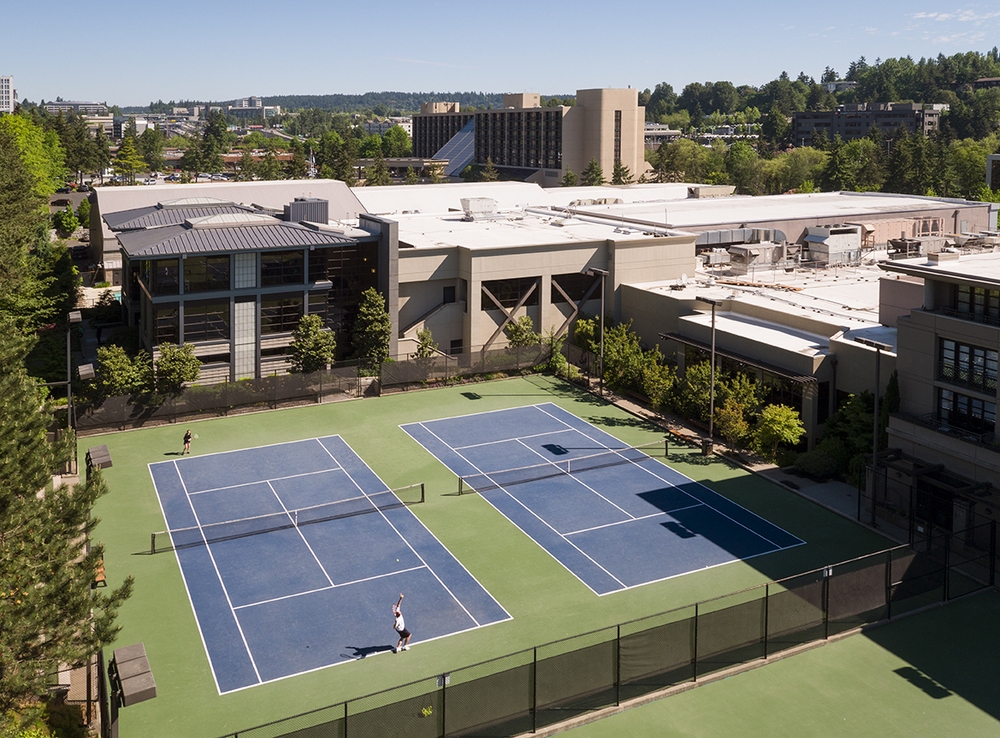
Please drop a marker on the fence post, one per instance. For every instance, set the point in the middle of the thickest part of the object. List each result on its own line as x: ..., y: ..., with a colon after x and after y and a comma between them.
x: 534, y: 689
x: 767, y: 612
x: 618, y: 666
x: 913, y: 515
x: 444, y: 705
x: 946, y: 594
x: 694, y: 665
x: 345, y: 720
x: 859, y: 500
x: 888, y: 584
x: 993, y: 553
x: 827, y: 573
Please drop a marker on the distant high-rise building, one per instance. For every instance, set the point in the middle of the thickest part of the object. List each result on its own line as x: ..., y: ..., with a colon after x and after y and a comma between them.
x: 605, y: 125
x: 8, y: 95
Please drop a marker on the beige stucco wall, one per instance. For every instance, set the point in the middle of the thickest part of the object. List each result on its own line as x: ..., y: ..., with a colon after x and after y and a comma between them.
x: 898, y: 294
x: 589, y: 126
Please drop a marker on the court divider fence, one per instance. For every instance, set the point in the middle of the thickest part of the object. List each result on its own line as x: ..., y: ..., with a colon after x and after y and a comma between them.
x: 538, y: 687
x: 343, y: 380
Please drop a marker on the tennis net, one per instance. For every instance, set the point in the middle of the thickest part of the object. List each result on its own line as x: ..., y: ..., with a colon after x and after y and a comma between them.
x: 227, y: 530
x: 486, y: 481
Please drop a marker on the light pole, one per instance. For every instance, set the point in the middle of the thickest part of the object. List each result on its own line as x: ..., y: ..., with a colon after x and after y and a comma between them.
x: 74, y: 318
x: 711, y: 382
x: 879, y: 348
x: 602, y: 273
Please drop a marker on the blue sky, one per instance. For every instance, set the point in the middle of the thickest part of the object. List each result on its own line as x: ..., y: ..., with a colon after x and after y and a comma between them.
x: 131, y: 53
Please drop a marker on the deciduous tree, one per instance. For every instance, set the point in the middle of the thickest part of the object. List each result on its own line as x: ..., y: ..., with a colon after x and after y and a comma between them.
x: 176, y: 365
x: 777, y: 424
x: 521, y: 332
x: 312, y: 346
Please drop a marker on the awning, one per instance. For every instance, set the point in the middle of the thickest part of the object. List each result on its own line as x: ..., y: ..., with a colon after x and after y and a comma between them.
x: 798, y: 378
x: 816, y: 239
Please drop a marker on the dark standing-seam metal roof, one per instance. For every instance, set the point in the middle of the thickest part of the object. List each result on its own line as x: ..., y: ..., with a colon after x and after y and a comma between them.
x: 156, y: 217
x: 182, y: 240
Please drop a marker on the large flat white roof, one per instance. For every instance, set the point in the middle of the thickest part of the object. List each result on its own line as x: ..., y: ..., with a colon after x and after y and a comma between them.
x: 981, y: 268
x: 764, y: 333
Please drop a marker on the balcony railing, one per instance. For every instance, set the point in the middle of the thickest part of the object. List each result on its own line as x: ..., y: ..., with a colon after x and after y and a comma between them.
x: 965, y: 377
x: 932, y: 420
x: 964, y: 315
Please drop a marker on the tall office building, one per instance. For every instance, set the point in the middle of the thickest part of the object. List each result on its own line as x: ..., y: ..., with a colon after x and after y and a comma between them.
x: 8, y: 95
x: 541, y: 143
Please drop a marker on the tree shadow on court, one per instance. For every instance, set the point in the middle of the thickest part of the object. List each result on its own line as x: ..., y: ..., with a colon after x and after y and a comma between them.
x: 360, y: 652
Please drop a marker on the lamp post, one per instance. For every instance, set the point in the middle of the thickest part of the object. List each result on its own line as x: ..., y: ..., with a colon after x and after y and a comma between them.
x: 602, y: 273
x: 74, y: 318
x: 711, y: 383
x: 879, y: 348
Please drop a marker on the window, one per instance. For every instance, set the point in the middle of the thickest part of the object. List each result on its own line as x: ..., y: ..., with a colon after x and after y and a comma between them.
x: 206, y: 320
x: 162, y: 276
x: 280, y: 313
x: 167, y: 326
x: 967, y: 413
x: 456, y: 347
x: 575, y: 285
x: 206, y: 273
x: 978, y: 302
x: 618, y: 136
x: 970, y: 366
x: 282, y: 267
x: 448, y: 295
x: 509, y: 292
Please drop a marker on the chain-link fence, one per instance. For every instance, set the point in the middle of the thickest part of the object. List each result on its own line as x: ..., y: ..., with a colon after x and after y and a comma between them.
x: 405, y: 373
x: 342, y: 381
x: 548, y: 684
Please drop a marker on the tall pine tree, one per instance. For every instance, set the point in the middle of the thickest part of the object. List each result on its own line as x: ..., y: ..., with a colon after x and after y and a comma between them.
x: 49, y: 615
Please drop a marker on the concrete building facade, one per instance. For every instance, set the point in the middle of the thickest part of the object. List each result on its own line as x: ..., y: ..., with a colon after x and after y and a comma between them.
x: 8, y: 95
x: 854, y: 121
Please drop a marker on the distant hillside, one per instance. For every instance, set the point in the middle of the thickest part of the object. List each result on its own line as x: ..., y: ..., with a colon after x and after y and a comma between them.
x: 384, y: 103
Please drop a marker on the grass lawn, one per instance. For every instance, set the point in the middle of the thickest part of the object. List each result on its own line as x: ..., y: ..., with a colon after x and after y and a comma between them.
x: 535, y: 589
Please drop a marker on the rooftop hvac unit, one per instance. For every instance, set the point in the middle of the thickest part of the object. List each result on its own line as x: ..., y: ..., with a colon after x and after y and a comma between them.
x: 477, y: 208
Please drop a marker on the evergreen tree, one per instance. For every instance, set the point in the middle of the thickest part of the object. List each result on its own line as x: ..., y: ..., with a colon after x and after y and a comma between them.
x: 377, y: 175
x: 410, y: 177
x: 372, y: 328
x: 489, y: 172
x: 268, y: 168
x: 127, y: 161
x: 150, y: 146
x: 102, y: 151
x: 312, y: 347
x: 621, y: 175
x: 247, y: 168
x: 570, y: 179
x: 346, y: 163
x: 48, y: 613
x: 593, y: 175
x: 297, y: 167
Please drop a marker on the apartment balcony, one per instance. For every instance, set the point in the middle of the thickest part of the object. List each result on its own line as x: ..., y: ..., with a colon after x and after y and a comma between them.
x: 980, y: 380
x: 964, y: 315
x: 974, y: 454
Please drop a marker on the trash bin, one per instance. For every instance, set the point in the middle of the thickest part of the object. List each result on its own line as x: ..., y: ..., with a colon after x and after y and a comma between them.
x: 706, y: 446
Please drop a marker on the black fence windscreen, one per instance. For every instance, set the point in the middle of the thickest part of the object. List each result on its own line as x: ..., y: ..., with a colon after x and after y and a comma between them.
x: 531, y: 689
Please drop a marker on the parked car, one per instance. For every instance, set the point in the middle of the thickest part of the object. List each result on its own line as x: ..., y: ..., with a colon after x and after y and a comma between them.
x: 83, y: 188
x: 63, y: 191
x: 173, y: 177
x: 79, y: 251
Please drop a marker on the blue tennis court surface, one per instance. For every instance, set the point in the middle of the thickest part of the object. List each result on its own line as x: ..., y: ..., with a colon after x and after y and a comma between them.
x: 292, y: 555
x: 613, y: 516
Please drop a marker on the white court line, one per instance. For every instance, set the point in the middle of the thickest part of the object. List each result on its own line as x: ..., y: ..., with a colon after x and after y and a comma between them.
x: 299, y: 531
x: 501, y: 440
x: 396, y: 530
x: 569, y: 462
x: 222, y: 583
x: 327, y: 589
x: 274, y: 479
x: 620, y: 522
x: 639, y: 464
x: 542, y: 520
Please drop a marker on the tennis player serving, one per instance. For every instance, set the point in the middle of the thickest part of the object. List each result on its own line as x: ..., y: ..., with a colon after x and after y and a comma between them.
x: 400, y: 626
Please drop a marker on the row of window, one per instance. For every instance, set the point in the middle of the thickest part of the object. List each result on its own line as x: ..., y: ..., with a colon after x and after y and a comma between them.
x: 348, y: 267
x: 210, y: 320
x: 508, y: 292
x: 976, y: 301
x: 969, y: 413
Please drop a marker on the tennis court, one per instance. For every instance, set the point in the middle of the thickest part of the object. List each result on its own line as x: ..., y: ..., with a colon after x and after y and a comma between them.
x: 293, y: 553
x: 611, y: 514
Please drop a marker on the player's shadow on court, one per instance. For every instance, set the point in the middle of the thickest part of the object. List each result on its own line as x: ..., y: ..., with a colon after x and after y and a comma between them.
x: 172, y: 453
x: 360, y: 652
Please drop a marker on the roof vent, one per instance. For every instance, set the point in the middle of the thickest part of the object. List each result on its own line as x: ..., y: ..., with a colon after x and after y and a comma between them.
x: 311, y: 209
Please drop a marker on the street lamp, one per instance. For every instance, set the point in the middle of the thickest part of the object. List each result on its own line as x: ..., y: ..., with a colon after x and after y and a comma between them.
x: 711, y: 383
x: 879, y: 348
x: 602, y: 273
x: 72, y: 319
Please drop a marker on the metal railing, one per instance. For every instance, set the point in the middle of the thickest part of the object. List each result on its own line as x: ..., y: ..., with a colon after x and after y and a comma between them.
x: 980, y: 380
x: 967, y: 315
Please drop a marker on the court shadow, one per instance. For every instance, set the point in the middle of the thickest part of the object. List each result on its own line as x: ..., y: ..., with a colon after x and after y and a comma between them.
x: 555, y: 449
x: 472, y: 395
x: 173, y: 453
x: 360, y: 652
x: 679, y: 530
x: 918, y: 679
